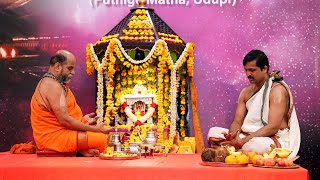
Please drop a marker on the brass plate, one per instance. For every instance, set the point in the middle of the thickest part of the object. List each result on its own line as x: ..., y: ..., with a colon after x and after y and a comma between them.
x: 294, y: 166
x: 222, y: 164
x: 118, y: 157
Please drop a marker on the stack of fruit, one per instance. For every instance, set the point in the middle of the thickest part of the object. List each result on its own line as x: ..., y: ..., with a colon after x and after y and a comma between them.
x: 276, y: 156
x: 236, y: 157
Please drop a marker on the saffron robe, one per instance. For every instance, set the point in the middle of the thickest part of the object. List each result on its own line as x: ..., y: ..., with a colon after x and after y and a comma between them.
x: 50, y: 134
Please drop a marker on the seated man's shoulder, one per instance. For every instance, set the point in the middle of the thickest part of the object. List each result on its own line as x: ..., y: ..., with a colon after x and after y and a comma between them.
x: 246, y: 93
x: 279, y: 89
x: 50, y: 85
x: 247, y: 89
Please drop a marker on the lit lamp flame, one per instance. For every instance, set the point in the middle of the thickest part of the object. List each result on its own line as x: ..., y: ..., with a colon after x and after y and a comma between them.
x: 13, y: 53
x: 3, y: 53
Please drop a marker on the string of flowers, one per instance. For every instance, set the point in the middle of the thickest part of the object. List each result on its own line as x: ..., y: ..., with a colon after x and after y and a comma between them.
x: 90, y: 59
x: 173, y: 95
x: 130, y: 77
x: 118, y: 88
x: 183, y: 104
x: 161, y: 113
x: 94, y: 62
x: 99, y: 101
x: 106, y: 39
x: 140, y: 61
x: 166, y: 101
x: 110, y: 106
x: 162, y: 69
x: 190, y: 61
x: 123, y: 83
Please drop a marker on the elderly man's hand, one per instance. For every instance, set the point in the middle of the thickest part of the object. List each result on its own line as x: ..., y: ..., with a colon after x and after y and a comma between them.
x: 101, y: 128
x: 91, y: 118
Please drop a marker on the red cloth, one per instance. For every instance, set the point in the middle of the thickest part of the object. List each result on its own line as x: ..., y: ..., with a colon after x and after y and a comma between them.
x: 173, y: 167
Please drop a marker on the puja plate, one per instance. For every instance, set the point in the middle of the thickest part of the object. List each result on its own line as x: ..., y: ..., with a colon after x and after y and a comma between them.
x: 118, y: 157
x: 159, y: 154
x: 294, y: 166
x: 222, y: 164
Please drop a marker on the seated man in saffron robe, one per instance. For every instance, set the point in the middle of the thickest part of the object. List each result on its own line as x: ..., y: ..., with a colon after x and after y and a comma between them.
x: 57, y: 121
x: 265, y: 113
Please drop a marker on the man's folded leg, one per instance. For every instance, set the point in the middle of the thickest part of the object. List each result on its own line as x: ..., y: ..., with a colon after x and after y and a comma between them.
x: 258, y: 145
x: 91, y: 143
x: 216, y: 137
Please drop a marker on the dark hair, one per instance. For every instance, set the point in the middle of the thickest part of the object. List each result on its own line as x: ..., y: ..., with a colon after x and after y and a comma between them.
x: 57, y: 58
x: 260, y: 57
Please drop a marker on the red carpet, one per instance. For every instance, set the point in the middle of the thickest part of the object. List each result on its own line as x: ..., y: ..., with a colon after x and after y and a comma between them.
x: 173, y: 167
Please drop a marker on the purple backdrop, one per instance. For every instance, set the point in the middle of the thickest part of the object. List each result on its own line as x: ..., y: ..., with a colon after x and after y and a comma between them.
x: 287, y: 31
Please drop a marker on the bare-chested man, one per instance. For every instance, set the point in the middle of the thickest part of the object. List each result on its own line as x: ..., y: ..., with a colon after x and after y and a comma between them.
x: 57, y: 121
x: 265, y: 114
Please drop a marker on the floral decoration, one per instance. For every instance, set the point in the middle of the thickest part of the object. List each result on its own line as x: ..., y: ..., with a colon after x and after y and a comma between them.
x: 118, y: 73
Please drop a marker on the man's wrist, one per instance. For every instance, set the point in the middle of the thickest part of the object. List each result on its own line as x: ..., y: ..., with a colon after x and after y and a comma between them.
x: 246, y: 139
x: 94, y: 128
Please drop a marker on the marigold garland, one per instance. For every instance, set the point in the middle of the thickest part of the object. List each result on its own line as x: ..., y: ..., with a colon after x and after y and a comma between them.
x: 183, y: 104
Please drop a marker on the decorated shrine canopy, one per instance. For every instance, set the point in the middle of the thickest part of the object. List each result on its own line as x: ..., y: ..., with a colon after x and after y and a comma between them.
x: 140, y: 29
x: 143, y: 52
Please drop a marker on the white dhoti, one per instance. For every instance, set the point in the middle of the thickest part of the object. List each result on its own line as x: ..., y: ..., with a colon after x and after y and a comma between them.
x: 257, y: 144
x: 257, y: 117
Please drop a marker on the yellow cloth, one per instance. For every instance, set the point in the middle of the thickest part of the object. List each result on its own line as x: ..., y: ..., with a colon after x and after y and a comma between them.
x: 49, y: 134
x: 192, y: 142
x: 185, y: 150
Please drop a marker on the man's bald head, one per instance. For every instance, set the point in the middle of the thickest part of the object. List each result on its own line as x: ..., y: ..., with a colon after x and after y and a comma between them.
x: 61, y: 56
x: 62, y: 66
x: 65, y: 53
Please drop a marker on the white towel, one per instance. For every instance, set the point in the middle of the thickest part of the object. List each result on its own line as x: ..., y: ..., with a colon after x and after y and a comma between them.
x: 294, y: 129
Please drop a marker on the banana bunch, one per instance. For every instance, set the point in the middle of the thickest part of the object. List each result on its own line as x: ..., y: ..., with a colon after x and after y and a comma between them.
x: 282, y: 152
x: 272, y: 155
x: 230, y: 149
x: 278, y: 152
